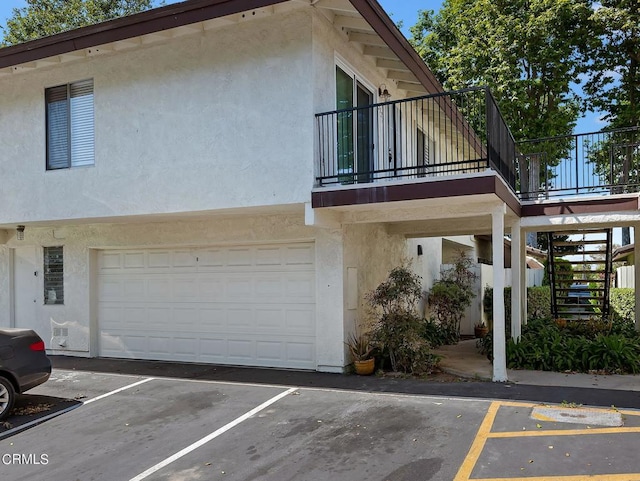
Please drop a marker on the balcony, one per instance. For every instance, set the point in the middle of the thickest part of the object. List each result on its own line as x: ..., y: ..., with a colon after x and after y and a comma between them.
x: 592, y: 164
x: 433, y: 136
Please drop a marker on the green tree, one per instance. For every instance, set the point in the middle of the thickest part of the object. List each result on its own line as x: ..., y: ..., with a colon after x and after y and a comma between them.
x: 41, y: 18
x: 613, y: 87
x: 529, y: 52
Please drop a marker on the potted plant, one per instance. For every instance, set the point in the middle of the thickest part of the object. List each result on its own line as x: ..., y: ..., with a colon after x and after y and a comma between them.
x: 480, y: 330
x: 362, y: 354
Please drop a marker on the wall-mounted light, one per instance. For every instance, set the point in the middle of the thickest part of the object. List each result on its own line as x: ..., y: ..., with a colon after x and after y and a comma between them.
x: 383, y: 92
x: 419, y: 250
x: 20, y: 232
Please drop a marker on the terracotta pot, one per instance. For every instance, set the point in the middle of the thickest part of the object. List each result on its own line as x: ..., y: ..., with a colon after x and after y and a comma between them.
x: 480, y: 332
x: 365, y: 368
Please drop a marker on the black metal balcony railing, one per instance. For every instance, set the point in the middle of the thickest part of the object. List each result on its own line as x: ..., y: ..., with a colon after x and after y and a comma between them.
x: 605, y: 162
x: 435, y: 135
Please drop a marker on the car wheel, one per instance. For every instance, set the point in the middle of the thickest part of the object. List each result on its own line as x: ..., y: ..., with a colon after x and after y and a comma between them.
x: 7, y: 397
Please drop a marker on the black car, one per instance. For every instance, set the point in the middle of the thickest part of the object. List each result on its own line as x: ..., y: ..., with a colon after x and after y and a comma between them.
x: 23, y: 365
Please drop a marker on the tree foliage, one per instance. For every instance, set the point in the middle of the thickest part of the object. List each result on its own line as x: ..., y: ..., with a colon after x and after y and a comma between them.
x: 398, y: 328
x: 613, y: 86
x: 450, y: 296
x: 529, y: 52
x: 41, y: 18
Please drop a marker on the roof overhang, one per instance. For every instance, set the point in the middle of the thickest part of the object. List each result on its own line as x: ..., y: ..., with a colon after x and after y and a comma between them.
x: 363, y: 22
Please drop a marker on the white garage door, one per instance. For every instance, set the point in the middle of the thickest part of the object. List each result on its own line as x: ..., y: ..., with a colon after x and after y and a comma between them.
x: 248, y: 305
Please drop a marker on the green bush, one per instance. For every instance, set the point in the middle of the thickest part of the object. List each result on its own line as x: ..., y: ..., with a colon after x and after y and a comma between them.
x: 398, y: 332
x: 538, y: 303
x: 595, y: 345
x: 438, y: 334
x: 452, y: 294
x: 623, y: 304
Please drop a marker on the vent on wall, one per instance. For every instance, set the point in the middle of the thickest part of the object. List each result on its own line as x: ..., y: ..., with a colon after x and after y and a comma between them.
x: 60, y: 332
x: 59, y: 338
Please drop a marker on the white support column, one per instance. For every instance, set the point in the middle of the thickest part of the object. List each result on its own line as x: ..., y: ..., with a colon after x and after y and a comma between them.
x: 636, y: 268
x: 523, y: 277
x: 516, y: 280
x: 499, y: 347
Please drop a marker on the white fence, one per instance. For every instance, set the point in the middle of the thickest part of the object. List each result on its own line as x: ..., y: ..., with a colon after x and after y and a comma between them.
x: 625, y: 277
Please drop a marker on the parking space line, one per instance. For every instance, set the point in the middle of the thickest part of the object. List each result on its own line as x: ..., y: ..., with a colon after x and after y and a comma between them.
x: 478, y: 443
x: 485, y: 433
x: 116, y: 391
x: 562, y: 432
x: 211, y: 436
x: 35, y: 422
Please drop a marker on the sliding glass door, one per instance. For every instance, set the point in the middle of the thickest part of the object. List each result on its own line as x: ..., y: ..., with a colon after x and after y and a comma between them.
x: 354, y: 129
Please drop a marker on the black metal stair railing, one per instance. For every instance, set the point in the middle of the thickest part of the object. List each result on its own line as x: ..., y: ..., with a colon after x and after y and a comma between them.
x: 580, y: 270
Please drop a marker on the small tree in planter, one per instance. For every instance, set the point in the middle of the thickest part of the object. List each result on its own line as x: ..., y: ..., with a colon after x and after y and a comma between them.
x: 398, y: 327
x: 452, y: 294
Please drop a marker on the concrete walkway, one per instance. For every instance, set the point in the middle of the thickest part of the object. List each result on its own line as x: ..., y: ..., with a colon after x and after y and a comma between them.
x: 464, y: 360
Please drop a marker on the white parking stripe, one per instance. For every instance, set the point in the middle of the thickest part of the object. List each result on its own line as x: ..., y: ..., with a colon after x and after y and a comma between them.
x: 37, y: 421
x: 211, y: 436
x: 102, y: 396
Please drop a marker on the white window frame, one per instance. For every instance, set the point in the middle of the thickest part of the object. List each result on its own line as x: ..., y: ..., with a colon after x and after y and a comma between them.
x: 341, y: 63
x: 70, y: 129
x: 53, y: 275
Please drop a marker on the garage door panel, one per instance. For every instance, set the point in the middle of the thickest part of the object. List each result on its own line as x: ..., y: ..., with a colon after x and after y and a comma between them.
x: 301, y: 255
x: 159, y: 289
x: 159, y: 259
x: 185, y: 288
x: 301, y: 352
x: 110, y: 289
x: 134, y: 260
x: 252, y: 305
x: 240, y: 257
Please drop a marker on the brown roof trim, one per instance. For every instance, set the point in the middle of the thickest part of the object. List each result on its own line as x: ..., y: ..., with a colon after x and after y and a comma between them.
x: 143, y: 23
x: 375, y: 15
x: 373, y: 194
x: 620, y: 253
x: 587, y: 206
x: 193, y: 11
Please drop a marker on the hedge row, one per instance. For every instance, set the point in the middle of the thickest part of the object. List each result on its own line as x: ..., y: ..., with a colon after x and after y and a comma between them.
x: 622, y: 302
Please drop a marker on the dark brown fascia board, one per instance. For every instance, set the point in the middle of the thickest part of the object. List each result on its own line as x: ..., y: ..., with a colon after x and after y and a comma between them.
x: 374, y: 194
x: 150, y: 21
x: 586, y: 206
x: 185, y: 13
x: 375, y: 15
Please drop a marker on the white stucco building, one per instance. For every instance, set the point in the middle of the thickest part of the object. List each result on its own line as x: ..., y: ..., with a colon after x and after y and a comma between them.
x: 168, y: 190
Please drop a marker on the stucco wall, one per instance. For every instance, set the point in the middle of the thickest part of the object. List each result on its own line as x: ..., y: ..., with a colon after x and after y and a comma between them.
x: 216, y: 120
x: 373, y: 252
x: 80, y: 241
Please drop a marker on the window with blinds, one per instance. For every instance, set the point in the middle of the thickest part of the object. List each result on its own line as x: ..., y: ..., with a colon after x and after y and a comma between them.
x: 53, y: 275
x: 70, y: 125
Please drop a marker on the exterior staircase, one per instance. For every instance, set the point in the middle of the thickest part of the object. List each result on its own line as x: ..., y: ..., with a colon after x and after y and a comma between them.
x: 580, y: 273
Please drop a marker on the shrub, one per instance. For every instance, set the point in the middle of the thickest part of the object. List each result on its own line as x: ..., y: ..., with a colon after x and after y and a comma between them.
x: 538, y: 303
x: 452, y: 294
x: 398, y: 331
x: 623, y: 304
x: 586, y: 346
x: 437, y: 334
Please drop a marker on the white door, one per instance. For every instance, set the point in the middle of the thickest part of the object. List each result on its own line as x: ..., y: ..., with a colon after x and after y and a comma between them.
x: 25, y: 287
x: 244, y: 305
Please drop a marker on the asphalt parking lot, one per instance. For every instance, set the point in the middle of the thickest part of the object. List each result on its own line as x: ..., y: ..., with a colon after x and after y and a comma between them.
x: 133, y: 427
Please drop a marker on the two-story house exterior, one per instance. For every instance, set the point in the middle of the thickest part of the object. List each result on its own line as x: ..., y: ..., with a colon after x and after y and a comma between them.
x: 171, y: 190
